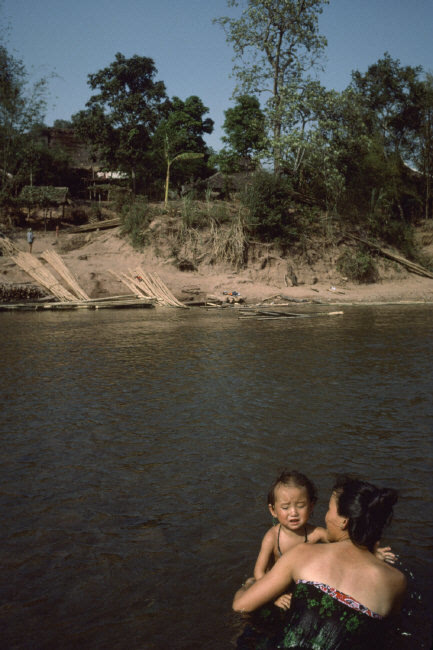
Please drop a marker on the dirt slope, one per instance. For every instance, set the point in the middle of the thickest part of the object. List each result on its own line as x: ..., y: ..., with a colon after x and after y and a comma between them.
x: 309, y: 274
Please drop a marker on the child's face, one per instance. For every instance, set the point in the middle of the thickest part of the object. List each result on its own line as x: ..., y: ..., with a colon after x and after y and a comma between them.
x: 292, y: 506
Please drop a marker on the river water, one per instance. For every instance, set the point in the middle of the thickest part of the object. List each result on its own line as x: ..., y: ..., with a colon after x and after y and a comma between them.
x: 137, y: 448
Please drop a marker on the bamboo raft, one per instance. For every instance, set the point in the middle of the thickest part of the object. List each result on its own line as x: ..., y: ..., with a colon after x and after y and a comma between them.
x: 33, y: 267
x: 149, y: 285
x: 57, y: 263
x: 260, y: 314
x: 147, y: 289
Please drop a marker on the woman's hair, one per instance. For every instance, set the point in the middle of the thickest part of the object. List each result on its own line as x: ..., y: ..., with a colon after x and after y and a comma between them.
x: 293, y: 479
x: 367, y: 508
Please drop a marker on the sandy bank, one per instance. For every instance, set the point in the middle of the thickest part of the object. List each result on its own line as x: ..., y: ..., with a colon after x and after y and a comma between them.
x: 93, y: 257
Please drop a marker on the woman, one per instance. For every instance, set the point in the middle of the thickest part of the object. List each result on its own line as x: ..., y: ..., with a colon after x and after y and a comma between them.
x: 342, y: 592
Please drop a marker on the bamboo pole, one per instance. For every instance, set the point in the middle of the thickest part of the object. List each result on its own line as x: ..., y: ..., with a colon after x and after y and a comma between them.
x: 263, y: 315
x: 159, y: 289
x: 138, y: 284
x: 98, y: 225
x: 124, y: 278
x: 150, y: 288
x: 166, y: 291
x: 7, y: 246
x: 31, y: 265
x: 57, y: 263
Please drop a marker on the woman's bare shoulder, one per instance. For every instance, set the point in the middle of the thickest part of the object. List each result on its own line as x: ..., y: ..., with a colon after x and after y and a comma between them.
x: 393, y: 574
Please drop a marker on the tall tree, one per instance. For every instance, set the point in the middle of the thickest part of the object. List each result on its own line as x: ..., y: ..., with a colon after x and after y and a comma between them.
x: 424, y: 148
x: 275, y: 43
x: 392, y: 97
x: 244, y: 126
x: 121, y: 118
x: 179, y: 138
x: 21, y: 106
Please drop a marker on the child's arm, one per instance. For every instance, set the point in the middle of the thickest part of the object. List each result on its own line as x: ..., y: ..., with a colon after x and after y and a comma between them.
x: 384, y: 553
x: 265, y: 556
x: 381, y: 552
x: 317, y: 535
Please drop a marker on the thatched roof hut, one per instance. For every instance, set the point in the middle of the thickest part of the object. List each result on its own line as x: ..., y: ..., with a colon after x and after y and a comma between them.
x: 44, y: 196
x: 220, y: 184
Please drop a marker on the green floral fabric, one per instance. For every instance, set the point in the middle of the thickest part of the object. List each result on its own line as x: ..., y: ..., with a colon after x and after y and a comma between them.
x: 316, y: 621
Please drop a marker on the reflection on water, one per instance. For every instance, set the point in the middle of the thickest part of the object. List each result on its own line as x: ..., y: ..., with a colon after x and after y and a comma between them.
x: 137, y: 450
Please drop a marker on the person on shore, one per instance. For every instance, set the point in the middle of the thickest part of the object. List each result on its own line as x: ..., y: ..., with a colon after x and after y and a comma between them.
x: 342, y: 592
x: 30, y: 238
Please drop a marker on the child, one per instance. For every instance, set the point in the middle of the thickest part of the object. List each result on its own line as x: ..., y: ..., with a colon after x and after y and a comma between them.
x: 291, y: 502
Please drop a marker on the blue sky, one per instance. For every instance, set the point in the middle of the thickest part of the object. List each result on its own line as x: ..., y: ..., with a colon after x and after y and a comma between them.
x: 73, y: 39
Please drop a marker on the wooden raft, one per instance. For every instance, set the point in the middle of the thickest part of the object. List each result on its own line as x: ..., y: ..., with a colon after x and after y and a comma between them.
x: 149, y: 285
x: 31, y: 265
x: 66, y: 299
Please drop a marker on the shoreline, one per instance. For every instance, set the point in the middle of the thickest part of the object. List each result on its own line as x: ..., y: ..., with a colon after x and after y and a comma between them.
x: 97, y: 260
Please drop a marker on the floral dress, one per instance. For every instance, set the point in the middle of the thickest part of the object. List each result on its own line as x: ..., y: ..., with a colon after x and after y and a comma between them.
x: 320, y: 618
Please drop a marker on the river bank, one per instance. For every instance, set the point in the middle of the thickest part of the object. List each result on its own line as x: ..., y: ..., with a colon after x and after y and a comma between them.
x: 97, y: 259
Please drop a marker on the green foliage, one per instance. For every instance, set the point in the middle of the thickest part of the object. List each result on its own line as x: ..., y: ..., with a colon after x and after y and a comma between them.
x: 394, y: 232
x: 21, y: 106
x: 188, y: 155
x: 182, y: 127
x: 275, y: 43
x: 244, y: 125
x: 122, y: 197
x: 389, y: 91
x: 358, y: 266
x: 43, y: 196
x: 192, y: 215
x: 179, y: 138
x: 121, y: 118
x: 135, y: 221
x: 268, y: 200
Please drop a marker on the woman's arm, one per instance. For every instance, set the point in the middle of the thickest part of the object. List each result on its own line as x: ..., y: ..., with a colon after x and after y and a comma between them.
x: 267, y: 588
x: 265, y: 555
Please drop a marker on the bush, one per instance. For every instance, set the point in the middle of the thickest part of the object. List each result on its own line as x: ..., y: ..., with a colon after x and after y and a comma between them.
x: 358, y: 266
x: 135, y: 221
x: 268, y: 201
x: 396, y: 233
x: 121, y: 197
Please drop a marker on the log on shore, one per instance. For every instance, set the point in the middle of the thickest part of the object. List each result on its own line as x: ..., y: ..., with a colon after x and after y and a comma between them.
x: 260, y: 314
x: 128, y: 303
x: 411, y: 266
x: 97, y: 225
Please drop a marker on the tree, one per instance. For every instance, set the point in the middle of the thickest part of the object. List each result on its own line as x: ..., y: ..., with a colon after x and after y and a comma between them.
x: 63, y: 124
x: 244, y: 125
x: 188, y: 155
x: 21, y: 106
x: 122, y: 117
x: 424, y: 150
x: 179, y: 137
x: 392, y: 97
x: 275, y: 42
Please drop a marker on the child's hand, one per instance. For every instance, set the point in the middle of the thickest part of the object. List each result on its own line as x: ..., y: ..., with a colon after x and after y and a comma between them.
x: 284, y: 601
x: 247, y: 584
x: 384, y: 553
